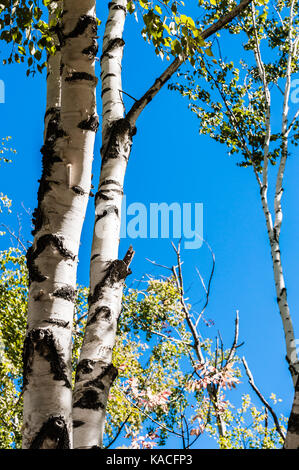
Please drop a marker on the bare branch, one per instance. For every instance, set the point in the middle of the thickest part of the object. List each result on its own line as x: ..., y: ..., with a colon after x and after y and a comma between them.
x: 16, y: 237
x: 234, y: 346
x: 147, y: 415
x: 263, y: 400
x: 118, y: 432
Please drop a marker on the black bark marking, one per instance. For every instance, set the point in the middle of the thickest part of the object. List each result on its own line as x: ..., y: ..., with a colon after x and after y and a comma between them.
x: 42, y: 341
x: 58, y: 30
x: 101, y: 195
x: 109, y: 371
x: 293, y: 425
x: 116, y: 272
x: 83, y: 23
x: 90, y: 124
x: 41, y: 244
x: 105, y: 182
x: 49, y: 158
x: 97, y: 383
x: 77, y: 423
x: 108, y: 75
x: 66, y: 293
x: 113, y: 44
x: 109, y: 210
x: 104, y: 313
x: 52, y: 110
x: 283, y: 293
x: 73, y: 77
x: 38, y: 296
x: 94, y: 257
x: 91, y: 51
x: 34, y: 274
x: 119, y: 141
x: 78, y: 190
x: 105, y: 90
x: 55, y: 429
x: 85, y: 367
x: 116, y: 6
x: 89, y: 400
x: 58, y: 322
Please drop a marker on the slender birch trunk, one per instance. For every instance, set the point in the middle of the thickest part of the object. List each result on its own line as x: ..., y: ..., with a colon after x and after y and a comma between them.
x: 71, y: 123
x: 274, y: 228
x: 95, y: 372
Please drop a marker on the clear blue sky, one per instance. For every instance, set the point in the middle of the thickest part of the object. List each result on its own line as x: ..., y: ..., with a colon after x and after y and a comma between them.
x: 170, y: 162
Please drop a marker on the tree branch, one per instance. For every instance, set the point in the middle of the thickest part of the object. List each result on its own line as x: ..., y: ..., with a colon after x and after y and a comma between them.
x: 139, y: 106
x: 263, y: 400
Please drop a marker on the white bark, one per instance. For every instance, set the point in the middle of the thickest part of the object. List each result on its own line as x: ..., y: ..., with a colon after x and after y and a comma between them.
x: 52, y: 259
x: 95, y: 372
x: 107, y: 273
x: 292, y: 438
x: 274, y: 228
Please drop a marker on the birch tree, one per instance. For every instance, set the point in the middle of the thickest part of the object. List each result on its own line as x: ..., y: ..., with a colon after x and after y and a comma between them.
x: 242, y: 116
x: 96, y: 372
x: 70, y: 123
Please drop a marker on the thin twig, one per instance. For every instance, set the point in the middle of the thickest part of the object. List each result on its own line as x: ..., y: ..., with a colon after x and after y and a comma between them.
x: 147, y: 415
x: 118, y: 432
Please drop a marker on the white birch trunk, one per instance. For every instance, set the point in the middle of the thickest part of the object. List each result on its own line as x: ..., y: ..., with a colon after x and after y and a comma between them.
x: 107, y: 274
x: 64, y: 190
x: 292, y: 439
x: 95, y: 372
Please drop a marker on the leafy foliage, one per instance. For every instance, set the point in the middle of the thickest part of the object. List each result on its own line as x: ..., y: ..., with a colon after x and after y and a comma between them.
x: 13, y: 299
x: 160, y: 391
x: 22, y: 26
x: 229, y: 98
x: 5, y: 202
x: 169, y: 29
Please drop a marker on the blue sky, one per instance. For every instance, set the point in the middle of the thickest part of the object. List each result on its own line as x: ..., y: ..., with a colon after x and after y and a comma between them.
x: 170, y: 162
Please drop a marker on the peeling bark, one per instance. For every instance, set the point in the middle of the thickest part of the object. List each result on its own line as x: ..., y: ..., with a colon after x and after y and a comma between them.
x: 70, y: 125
